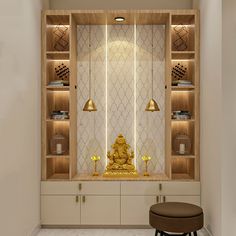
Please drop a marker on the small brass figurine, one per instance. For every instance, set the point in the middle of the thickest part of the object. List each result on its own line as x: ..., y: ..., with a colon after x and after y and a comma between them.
x: 95, y: 159
x: 146, y: 159
x: 120, y: 160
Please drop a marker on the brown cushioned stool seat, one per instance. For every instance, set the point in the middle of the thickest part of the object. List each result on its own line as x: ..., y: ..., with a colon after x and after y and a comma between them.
x: 176, y: 217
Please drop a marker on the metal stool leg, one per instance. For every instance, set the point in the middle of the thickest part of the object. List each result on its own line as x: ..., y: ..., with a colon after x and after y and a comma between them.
x: 195, y: 233
x: 156, y: 233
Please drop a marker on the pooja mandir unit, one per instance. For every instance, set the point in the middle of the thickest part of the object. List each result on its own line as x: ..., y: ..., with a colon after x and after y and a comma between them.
x: 121, y: 65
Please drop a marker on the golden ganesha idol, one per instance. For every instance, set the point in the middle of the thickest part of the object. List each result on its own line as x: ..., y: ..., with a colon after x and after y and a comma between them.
x: 120, y: 160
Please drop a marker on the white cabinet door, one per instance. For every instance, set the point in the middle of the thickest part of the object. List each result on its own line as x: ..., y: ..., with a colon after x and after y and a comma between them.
x: 100, y: 210
x: 188, y: 199
x: 135, y: 209
x: 60, y: 210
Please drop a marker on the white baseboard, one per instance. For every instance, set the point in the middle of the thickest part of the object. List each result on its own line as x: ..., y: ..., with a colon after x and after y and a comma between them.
x: 35, y: 231
x: 208, y: 232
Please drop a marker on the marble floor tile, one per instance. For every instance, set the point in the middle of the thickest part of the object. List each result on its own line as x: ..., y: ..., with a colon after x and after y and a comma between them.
x: 102, y: 232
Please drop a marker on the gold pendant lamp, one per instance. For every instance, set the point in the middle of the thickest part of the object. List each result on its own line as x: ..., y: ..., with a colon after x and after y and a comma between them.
x: 90, y: 105
x: 152, y: 104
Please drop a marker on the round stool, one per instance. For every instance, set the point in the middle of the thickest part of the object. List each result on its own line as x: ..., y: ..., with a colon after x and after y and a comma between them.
x: 176, y: 217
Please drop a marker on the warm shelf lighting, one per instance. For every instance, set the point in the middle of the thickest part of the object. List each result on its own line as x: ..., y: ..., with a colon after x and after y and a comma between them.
x: 119, y: 19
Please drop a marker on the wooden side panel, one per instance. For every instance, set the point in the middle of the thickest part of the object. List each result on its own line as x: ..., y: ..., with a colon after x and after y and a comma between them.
x: 73, y: 97
x: 168, y: 99
x: 197, y: 96
x: 43, y: 98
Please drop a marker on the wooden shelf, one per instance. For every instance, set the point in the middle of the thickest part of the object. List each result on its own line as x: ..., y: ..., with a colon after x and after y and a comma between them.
x: 182, y: 156
x: 58, y: 55
x: 182, y: 55
x: 180, y: 88
x: 183, y: 120
x: 60, y: 88
x: 58, y: 156
x: 58, y: 177
x: 56, y: 120
x: 181, y: 177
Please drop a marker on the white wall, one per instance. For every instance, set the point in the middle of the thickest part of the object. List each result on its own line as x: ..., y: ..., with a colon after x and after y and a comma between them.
x: 19, y: 116
x: 121, y: 4
x: 211, y: 112
x: 229, y: 119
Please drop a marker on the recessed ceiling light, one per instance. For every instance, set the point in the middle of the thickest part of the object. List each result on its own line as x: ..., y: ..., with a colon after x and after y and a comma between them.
x: 119, y: 19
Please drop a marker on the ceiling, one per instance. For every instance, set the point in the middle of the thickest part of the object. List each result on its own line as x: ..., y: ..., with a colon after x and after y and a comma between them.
x: 121, y: 4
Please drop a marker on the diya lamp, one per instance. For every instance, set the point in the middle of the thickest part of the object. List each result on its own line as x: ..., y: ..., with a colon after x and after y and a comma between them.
x: 95, y: 159
x: 146, y: 159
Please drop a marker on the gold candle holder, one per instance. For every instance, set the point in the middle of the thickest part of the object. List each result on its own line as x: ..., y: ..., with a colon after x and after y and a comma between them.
x: 95, y: 159
x: 146, y: 159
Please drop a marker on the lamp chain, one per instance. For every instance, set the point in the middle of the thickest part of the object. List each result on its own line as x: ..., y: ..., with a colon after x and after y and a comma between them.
x: 152, y: 61
x: 90, y: 61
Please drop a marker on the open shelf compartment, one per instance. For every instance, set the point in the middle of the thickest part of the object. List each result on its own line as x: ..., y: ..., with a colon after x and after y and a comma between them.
x: 182, y: 168
x: 57, y: 34
x: 183, y: 127
x: 56, y: 65
x: 58, y: 168
x: 54, y: 128
x: 186, y: 67
x: 57, y: 101
x: 183, y: 101
x: 183, y: 32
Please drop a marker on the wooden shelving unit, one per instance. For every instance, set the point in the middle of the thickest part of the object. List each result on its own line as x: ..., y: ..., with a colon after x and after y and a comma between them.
x: 186, y: 98
x: 58, y: 98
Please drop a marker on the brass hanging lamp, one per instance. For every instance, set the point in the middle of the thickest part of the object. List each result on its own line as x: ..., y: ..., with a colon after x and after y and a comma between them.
x: 90, y: 105
x: 152, y: 104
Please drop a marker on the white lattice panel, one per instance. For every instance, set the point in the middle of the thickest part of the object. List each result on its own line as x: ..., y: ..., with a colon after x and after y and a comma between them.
x: 150, y: 127
x: 91, y: 125
x: 120, y: 83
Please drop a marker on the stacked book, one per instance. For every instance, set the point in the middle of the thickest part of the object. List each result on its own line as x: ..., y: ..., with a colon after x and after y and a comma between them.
x: 60, y: 115
x: 181, y: 115
x: 181, y: 82
x: 59, y: 83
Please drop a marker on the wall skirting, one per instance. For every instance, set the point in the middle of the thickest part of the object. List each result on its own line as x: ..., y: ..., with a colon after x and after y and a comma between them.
x: 35, y: 230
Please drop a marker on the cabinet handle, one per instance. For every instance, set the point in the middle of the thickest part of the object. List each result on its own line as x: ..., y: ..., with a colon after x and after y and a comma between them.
x: 157, y: 199
x: 83, y: 199
x: 77, y: 198
x: 160, y: 187
x: 80, y: 186
x: 164, y: 198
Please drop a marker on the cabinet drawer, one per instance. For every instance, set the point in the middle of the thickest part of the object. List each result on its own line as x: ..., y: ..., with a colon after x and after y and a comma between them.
x: 188, y: 199
x: 80, y: 187
x: 63, y: 188
x: 139, y: 188
x: 60, y: 210
x: 180, y: 188
x: 99, y: 187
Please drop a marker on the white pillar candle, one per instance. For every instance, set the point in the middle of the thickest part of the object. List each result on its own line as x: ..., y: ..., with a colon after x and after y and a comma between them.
x: 59, y: 148
x: 182, y: 148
